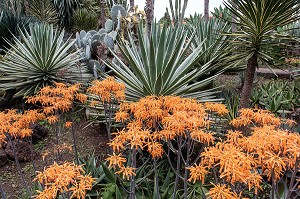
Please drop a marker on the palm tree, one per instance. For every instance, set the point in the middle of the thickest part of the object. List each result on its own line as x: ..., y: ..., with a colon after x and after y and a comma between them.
x: 257, y: 22
x: 206, y: 9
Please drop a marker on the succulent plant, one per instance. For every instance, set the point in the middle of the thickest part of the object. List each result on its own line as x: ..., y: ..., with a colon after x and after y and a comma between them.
x: 116, y: 11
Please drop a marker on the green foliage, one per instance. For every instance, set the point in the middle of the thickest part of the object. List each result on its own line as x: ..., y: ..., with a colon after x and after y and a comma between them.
x: 111, y: 3
x: 223, y: 13
x: 257, y: 22
x: 161, y: 65
x: 276, y: 96
x: 65, y: 10
x: 85, y: 19
x: 38, y: 59
x: 215, y: 46
x: 43, y: 10
x: 10, y: 23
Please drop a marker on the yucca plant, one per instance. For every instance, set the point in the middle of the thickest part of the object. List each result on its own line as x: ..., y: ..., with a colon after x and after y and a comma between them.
x: 257, y: 22
x: 214, y: 44
x: 85, y: 19
x: 41, y: 57
x: 65, y: 10
x: 10, y: 23
x: 162, y: 65
x: 43, y: 10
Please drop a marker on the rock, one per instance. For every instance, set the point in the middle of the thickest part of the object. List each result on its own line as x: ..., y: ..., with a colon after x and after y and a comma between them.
x: 3, y: 157
x: 22, y: 149
x: 39, y: 132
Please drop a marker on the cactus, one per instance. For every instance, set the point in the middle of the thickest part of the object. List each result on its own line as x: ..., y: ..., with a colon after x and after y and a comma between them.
x: 109, y: 42
x: 109, y: 25
x: 116, y: 10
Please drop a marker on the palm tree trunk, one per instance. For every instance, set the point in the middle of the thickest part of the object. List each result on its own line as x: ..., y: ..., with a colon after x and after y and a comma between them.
x: 149, y: 10
x: 206, y: 9
x: 233, y: 26
x: 131, y: 2
x: 248, y: 82
x: 102, y: 16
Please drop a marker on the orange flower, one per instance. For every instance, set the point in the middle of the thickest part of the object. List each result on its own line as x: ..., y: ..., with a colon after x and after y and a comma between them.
x: 116, y: 160
x: 126, y: 172
x: 107, y: 90
x: 221, y: 192
x: 155, y: 149
x: 65, y: 178
x: 198, y: 172
x: 68, y: 124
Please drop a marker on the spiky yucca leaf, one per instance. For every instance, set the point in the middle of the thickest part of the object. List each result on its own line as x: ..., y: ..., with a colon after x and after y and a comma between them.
x: 163, y: 65
x: 43, y: 10
x: 41, y: 57
x: 214, y: 43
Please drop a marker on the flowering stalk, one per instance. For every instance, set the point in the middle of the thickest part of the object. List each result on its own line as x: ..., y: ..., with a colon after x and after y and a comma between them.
x: 18, y: 165
x: 2, y: 191
x: 291, y: 187
x: 132, y: 182
x: 74, y: 142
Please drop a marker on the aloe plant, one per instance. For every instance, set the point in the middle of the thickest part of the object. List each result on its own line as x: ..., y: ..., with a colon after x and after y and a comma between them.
x: 162, y: 65
x: 41, y: 57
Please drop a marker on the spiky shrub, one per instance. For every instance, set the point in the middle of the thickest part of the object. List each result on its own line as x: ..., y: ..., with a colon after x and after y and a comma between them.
x: 40, y: 58
x: 162, y: 65
x: 215, y: 44
x: 85, y: 19
x: 43, y: 10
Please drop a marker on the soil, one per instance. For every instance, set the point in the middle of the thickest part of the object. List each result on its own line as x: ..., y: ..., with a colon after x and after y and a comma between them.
x: 91, y: 139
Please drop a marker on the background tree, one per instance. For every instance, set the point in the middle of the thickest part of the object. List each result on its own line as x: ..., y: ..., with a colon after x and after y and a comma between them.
x: 149, y: 10
x: 131, y: 4
x: 257, y: 34
x: 206, y: 9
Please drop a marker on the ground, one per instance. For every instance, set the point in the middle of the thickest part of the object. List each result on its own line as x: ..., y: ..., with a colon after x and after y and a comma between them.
x: 92, y: 139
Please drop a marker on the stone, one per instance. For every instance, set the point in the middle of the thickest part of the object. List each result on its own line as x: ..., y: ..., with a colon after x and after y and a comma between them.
x: 3, y: 157
x: 22, y: 150
x: 39, y: 132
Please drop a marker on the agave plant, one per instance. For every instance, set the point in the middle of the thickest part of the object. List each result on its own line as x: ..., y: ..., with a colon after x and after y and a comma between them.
x: 65, y: 10
x: 38, y: 59
x: 162, y: 65
x: 214, y: 44
x: 10, y: 22
x: 43, y: 10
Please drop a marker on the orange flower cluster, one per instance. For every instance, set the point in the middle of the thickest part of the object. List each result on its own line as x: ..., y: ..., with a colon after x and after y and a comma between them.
x: 107, y: 90
x: 152, y: 121
x: 117, y: 162
x: 221, y: 192
x: 259, y: 117
x: 268, y: 151
x: 57, y: 98
x: 65, y: 178
x: 17, y: 124
x: 218, y: 108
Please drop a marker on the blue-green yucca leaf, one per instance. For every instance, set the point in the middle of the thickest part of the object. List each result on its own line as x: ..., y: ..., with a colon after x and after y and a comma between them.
x: 163, y: 64
x: 40, y: 58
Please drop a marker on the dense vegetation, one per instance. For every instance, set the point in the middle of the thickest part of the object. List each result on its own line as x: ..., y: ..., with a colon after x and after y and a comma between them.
x: 174, y: 127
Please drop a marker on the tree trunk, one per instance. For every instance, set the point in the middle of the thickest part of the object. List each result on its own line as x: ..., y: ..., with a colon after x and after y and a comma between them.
x: 102, y: 19
x: 206, y: 9
x: 131, y: 2
x: 149, y: 10
x: 233, y: 26
x: 248, y: 82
